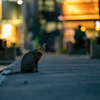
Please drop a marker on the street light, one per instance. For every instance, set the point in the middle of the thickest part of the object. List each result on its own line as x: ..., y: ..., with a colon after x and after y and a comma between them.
x: 20, y: 2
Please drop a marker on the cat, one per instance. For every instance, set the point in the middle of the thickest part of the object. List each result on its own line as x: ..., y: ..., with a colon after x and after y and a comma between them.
x: 29, y: 62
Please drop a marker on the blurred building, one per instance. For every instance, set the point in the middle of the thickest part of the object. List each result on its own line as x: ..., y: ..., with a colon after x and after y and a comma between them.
x: 51, y: 21
x: 80, y: 12
x: 51, y: 26
x: 11, y: 23
x: 41, y: 16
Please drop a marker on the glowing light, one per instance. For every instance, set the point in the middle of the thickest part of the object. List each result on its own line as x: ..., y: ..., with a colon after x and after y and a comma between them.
x: 60, y: 17
x: 98, y: 24
x: 19, y: 2
x: 6, y: 31
x: 83, y: 28
x: 65, y: 2
x: 66, y: 34
x: 97, y: 27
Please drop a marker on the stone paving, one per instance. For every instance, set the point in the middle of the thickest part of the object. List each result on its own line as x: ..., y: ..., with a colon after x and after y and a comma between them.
x: 61, y: 77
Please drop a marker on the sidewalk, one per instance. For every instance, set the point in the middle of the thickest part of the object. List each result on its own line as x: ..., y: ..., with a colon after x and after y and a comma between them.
x: 10, y: 63
x: 61, y: 77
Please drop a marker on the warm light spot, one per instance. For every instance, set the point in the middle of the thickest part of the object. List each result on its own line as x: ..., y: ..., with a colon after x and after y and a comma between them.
x: 66, y: 34
x: 6, y: 31
x: 50, y: 27
x: 60, y: 18
x: 65, y: 2
x: 83, y: 29
x: 96, y: 8
x: 97, y: 27
x: 19, y: 2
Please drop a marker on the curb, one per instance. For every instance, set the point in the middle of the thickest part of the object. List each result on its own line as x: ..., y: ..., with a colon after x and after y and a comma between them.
x: 2, y: 77
x: 10, y: 65
x: 3, y: 70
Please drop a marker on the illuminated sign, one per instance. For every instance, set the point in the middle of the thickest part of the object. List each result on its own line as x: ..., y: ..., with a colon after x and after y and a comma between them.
x: 81, y: 9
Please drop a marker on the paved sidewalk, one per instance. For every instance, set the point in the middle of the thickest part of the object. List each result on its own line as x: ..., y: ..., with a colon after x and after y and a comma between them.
x: 10, y: 63
x: 61, y: 77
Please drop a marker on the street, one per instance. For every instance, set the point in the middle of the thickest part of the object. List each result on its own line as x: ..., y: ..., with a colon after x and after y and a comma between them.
x: 61, y: 77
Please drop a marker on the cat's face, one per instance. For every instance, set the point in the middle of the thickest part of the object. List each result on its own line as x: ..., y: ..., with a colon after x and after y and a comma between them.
x: 41, y: 49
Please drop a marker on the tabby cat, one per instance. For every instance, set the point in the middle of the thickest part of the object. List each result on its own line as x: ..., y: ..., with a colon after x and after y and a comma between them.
x: 30, y: 60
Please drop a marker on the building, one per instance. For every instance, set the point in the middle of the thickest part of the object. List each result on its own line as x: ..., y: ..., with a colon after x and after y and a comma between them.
x: 41, y: 16
x: 80, y: 12
x: 11, y: 23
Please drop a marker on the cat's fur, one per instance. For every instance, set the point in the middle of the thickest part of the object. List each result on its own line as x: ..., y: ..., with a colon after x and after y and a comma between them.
x: 30, y: 60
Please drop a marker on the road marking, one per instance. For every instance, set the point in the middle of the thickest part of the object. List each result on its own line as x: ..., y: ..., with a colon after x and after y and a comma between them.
x: 2, y: 77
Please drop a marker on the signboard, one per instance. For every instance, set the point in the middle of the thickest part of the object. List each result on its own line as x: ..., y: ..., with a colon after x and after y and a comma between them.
x: 84, y: 8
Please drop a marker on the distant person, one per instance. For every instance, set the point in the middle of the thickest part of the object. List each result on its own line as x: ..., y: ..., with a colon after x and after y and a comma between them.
x: 29, y: 43
x: 79, y: 41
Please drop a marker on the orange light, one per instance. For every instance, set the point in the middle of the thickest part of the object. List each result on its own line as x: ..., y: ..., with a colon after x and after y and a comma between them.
x: 97, y: 28
x: 83, y: 28
x: 6, y: 31
x: 65, y: 2
x: 66, y: 34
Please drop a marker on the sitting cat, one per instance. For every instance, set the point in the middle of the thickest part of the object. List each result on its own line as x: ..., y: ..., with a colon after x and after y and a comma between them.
x: 30, y: 60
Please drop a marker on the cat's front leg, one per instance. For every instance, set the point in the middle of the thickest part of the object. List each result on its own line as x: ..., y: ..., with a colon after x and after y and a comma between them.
x: 36, y: 71
x: 36, y: 68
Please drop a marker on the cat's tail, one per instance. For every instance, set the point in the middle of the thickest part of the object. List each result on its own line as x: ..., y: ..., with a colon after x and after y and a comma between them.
x: 11, y: 73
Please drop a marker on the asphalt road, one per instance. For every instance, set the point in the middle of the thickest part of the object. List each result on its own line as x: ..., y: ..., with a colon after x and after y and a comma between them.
x: 61, y: 77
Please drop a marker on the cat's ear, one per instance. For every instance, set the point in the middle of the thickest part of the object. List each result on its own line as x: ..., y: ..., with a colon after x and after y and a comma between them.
x: 38, y: 45
x: 44, y: 44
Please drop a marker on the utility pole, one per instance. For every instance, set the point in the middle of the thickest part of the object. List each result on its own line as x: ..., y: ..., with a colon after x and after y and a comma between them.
x: 98, y: 38
x: 0, y: 10
x: 99, y: 16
